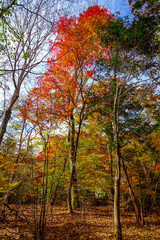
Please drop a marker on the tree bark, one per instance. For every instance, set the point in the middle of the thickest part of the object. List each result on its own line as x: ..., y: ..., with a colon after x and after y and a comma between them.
x: 115, y: 127
x: 7, y: 115
x: 117, y: 223
x: 133, y: 198
x: 72, y: 191
x: 111, y: 172
x: 141, y: 204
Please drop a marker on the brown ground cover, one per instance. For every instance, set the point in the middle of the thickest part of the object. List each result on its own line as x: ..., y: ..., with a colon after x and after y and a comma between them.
x: 84, y: 224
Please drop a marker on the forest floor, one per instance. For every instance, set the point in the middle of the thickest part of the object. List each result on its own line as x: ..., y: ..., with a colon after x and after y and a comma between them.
x: 84, y: 224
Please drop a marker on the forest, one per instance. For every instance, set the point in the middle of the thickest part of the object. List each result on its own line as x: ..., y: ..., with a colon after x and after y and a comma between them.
x: 79, y: 121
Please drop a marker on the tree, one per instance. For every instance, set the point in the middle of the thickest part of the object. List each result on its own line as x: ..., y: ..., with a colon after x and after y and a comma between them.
x: 30, y: 25
x: 65, y: 87
x: 123, y: 72
x: 146, y: 22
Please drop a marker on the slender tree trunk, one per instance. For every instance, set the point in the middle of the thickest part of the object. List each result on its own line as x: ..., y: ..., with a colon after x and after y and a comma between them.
x: 71, y: 139
x: 133, y: 198
x: 70, y: 208
x: 111, y: 172
x: 73, y: 198
x: 140, y: 190
x: 75, y: 195
x: 54, y: 196
x: 141, y: 204
x: 7, y: 115
x: 115, y: 126
x: 43, y: 212
x: 117, y: 222
x: 70, y: 192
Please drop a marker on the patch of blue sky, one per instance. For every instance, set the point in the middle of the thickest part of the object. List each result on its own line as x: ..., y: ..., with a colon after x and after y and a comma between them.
x: 121, y: 6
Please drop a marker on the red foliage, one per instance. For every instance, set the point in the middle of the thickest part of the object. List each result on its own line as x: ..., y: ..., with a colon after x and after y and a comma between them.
x: 94, y: 11
x: 64, y: 87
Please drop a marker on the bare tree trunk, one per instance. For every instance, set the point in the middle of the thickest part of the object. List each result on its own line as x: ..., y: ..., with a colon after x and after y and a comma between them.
x: 70, y: 191
x: 72, y: 161
x: 42, y: 219
x: 111, y: 172
x: 133, y: 198
x: 115, y: 126
x: 7, y: 115
x: 117, y: 223
x: 75, y: 194
x: 70, y: 208
x: 141, y: 204
x: 73, y: 199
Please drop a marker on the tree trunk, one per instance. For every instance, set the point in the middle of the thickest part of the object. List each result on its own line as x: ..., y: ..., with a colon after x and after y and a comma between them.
x: 7, y: 115
x: 70, y: 192
x: 141, y: 204
x: 111, y: 172
x: 75, y: 193
x: 116, y: 217
x: 133, y: 198
x: 73, y: 199
x: 115, y: 127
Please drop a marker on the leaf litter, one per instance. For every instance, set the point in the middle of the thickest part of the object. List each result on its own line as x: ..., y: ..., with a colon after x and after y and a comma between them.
x: 93, y: 223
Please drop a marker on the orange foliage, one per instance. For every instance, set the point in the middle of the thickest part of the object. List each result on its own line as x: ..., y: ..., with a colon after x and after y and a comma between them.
x: 65, y: 85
